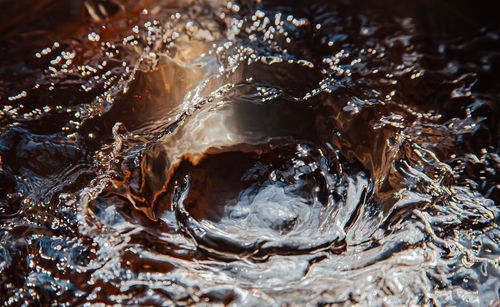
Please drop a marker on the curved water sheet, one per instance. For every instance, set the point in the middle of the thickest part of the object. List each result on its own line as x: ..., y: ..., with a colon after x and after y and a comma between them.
x: 249, y: 153
x: 285, y: 201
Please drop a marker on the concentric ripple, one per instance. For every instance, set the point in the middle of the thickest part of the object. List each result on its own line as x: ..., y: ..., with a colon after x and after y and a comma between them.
x: 249, y: 153
x: 285, y: 200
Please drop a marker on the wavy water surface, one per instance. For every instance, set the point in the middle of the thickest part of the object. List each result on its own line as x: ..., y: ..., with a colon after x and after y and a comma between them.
x: 249, y: 153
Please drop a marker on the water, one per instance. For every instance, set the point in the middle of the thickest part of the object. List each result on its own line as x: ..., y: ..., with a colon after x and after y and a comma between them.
x: 252, y: 153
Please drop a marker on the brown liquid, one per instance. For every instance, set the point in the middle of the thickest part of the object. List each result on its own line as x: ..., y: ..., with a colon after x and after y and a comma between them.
x: 250, y: 153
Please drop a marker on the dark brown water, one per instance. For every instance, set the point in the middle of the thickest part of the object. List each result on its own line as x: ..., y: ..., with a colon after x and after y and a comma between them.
x: 251, y: 153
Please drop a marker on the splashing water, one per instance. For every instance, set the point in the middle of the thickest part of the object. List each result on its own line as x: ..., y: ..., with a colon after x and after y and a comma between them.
x: 249, y: 153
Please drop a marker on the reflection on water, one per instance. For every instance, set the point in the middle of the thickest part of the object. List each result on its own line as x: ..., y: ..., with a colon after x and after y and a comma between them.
x: 249, y: 153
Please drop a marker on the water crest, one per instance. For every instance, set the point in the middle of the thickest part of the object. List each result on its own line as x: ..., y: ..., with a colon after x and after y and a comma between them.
x: 249, y: 153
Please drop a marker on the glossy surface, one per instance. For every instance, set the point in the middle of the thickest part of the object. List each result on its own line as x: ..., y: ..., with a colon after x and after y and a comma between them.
x: 254, y: 153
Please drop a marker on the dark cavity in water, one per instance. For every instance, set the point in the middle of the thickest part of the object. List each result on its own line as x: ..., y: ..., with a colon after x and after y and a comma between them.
x: 249, y: 153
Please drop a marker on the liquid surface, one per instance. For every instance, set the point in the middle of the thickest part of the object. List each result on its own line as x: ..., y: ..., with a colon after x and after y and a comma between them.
x: 251, y: 153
